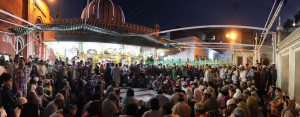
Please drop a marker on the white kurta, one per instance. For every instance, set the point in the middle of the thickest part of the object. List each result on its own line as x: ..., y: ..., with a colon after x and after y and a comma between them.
x: 207, y: 76
x: 188, y: 91
x: 116, y: 74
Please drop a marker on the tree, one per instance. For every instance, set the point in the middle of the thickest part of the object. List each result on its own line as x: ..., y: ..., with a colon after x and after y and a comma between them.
x: 288, y: 24
x: 297, y: 17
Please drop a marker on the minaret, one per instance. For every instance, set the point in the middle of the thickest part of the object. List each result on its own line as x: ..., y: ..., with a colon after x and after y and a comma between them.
x: 157, y: 27
x: 279, y: 29
x: 57, y: 14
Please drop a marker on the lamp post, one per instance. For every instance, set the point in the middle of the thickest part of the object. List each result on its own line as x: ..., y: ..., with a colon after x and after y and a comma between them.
x: 232, y: 37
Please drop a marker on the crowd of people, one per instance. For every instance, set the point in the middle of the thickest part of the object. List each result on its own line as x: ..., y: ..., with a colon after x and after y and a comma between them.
x: 36, y: 88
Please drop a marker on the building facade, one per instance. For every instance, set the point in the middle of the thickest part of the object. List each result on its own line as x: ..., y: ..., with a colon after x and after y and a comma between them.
x: 288, y: 65
x: 33, y: 11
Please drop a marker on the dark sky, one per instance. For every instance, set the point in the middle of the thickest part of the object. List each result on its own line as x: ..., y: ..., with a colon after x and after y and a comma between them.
x: 183, y: 13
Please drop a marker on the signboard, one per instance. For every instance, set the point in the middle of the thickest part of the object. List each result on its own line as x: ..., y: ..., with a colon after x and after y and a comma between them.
x: 7, y: 38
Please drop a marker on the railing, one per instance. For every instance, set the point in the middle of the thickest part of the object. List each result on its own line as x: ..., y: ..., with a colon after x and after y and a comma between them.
x: 179, y: 62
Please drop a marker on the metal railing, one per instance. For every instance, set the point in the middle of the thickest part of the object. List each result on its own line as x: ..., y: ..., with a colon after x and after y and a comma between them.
x: 179, y: 62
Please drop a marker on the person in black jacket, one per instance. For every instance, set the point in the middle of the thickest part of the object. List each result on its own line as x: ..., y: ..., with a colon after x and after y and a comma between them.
x: 274, y: 74
x: 31, y: 109
x: 9, y: 102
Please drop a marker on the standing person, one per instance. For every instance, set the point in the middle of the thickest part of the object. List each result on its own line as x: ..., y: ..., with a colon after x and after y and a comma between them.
x: 116, y: 74
x: 109, y: 107
x: 229, y: 74
x: 102, y: 70
x: 235, y: 75
x: 181, y: 108
x: 73, y: 70
x: 125, y: 74
x: 251, y: 74
x: 207, y: 74
x: 243, y: 73
x: 268, y: 77
x: 274, y: 74
x: 223, y: 72
x: 9, y: 102
x: 107, y: 75
x: 15, y: 64
x: 21, y: 78
x: 97, y: 69
x: 263, y: 80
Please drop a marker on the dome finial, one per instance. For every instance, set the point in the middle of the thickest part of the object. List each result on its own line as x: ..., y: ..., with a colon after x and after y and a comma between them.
x: 57, y: 14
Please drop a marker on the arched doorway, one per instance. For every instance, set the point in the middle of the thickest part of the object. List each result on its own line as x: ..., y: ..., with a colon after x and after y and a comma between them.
x: 19, y: 43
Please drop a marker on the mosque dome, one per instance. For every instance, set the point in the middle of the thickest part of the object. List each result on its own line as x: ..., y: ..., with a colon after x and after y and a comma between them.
x: 104, y: 10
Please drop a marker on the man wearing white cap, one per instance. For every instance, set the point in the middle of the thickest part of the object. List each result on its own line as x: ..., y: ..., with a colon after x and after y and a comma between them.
x: 53, y: 106
x: 187, y: 90
x: 231, y: 105
x: 240, y: 103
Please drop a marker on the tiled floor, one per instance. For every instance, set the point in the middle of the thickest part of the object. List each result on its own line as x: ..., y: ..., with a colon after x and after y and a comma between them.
x: 142, y: 94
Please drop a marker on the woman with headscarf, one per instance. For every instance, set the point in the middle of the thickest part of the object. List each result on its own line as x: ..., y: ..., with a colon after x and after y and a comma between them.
x: 288, y: 109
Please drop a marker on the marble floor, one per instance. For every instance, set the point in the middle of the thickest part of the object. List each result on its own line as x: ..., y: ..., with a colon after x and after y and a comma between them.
x: 142, y: 93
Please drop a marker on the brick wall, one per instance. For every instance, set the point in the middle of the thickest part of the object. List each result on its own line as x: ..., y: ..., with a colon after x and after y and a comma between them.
x: 27, y: 10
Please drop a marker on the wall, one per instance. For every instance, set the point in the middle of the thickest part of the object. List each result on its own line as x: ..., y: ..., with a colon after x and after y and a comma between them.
x: 14, y: 7
x: 288, y: 65
x: 192, y: 53
x: 245, y: 54
x: 222, y: 57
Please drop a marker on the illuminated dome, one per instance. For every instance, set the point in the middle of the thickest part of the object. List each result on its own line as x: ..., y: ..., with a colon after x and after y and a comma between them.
x: 104, y: 10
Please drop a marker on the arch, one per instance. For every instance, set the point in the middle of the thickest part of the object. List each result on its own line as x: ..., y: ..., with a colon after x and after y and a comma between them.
x: 19, y: 43
x: 39, y: 20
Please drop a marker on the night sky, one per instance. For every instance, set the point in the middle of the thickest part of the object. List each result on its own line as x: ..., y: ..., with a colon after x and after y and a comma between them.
x: 183, y: 13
